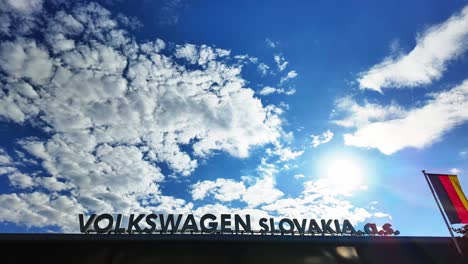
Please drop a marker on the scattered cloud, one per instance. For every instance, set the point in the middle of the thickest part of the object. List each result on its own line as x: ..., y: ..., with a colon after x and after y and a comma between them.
x: 263, y: 68
x: 21, y: 6
x: 114, y: 110
x: 270, y: 43
x: 260, y: 190
x: 5, y: 159
x: 382, y: 215
x: 323, y: 138
x: 390, y: 129
x: 395, y: 46
x: 281, y: 62
x: 246, y: 59
x: 284, y: 153
x: 361, y: 115
x: 195, y: 55
x: 455, y: 171
x: 435, y: 48
x: 290, y: 75
x: 299, y: 176
x: 267, y: 90
x: 224, y: 190
x: 318, y: 200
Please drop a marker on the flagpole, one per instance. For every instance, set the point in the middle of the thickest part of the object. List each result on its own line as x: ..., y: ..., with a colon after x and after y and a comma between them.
x: 442, y: 213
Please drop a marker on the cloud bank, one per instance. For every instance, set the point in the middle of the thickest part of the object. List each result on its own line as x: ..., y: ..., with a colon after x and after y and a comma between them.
x: 392, y: 128
x: 435, y: 49
x: 114, y: 110
x: 118, y: 116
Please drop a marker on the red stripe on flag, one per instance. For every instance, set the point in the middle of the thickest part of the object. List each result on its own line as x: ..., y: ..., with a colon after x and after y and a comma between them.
x: 456, y: 201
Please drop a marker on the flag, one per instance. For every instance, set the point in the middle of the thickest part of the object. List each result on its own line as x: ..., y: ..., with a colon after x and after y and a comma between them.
x: 451, y: 196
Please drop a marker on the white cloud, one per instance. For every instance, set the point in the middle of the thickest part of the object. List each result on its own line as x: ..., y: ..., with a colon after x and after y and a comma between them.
x: 263, y: 191
x: 267, y: 90
x: 455, y: 171
x: 252, y: 190
x: 196, y: 55
x: 290, y: 92
x: 21, y: 180
x: 270, y: 43
x: 38, y: 209
x: 21, y: 6
x: 224, y: 190
x: 218, y: 209
x: 299, y: 176
x: 5, y: 159
x: 246, y: 59
x: 263, y: 68
x: 323, y: 138
x: 7, y: 170
x: 188, y: 52
x: 289, y: 76
x: 24, y: 59
x: 360, y: 115
x: 382, y: 215
x: 284, y: 153
x: 318, y: 200
x: 114, y: 110
x: 394, y: 130
x: 435, y: 48
x: 281, y: 62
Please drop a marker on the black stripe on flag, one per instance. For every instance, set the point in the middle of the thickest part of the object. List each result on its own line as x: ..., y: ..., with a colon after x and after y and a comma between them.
x: 444, y: 199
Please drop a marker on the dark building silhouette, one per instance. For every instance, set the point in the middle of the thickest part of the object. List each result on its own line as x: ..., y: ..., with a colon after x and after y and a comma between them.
x: 178, y: 248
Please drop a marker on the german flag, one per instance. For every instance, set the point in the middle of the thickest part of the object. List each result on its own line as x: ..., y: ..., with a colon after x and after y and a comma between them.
x: 451, y: 197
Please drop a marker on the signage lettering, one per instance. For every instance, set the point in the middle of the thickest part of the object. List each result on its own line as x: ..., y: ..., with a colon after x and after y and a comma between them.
x: 225, y: 223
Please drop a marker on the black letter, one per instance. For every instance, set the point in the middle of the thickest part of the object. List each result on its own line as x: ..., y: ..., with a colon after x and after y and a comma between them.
x: 314, y: 227
x: 337, y: 226
x: 326, y: 227
x: 290, y: 223
x: 272, y: 225
x: 225, y: 222
x: 212, y: 225
x: 300, y: 228
x: 190, y: 224
x: 106, y: 229
x: 263, y: 224
x: 133, y: 222
x: 84, y: 227
x: 245, y: 225
x: 118, y: 229
x: 151, y: 223
x: 170, y: 221
x: 348, y: 227
x: 370, y: 229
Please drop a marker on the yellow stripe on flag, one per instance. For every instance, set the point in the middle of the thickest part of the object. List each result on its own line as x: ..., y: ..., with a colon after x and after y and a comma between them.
x: 458, y: 189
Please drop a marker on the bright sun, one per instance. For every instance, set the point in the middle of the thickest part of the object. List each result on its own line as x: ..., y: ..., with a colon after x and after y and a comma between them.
x: 345, y: 174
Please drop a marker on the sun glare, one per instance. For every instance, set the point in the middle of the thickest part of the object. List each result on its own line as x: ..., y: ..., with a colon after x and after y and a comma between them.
x: 345, y: 174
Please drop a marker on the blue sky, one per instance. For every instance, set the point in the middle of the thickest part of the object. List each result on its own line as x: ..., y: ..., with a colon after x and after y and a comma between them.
x: 269, y: 108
